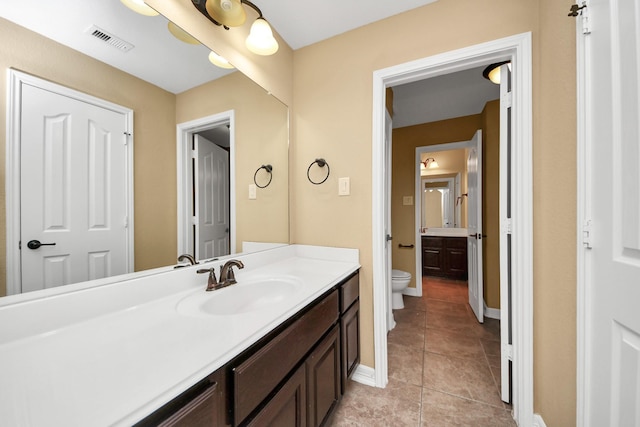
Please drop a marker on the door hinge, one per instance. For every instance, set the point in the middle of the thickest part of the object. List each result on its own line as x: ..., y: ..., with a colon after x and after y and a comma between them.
x: 586, y: 234
x: 126, y: 222
x: 508, y: 226
x: 583, y: 12
x: 127, y: 136
x: 507, y: 99
x: 507, y: 349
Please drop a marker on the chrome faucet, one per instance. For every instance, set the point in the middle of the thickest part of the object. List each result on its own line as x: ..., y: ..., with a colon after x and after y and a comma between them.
x: 227, y: 277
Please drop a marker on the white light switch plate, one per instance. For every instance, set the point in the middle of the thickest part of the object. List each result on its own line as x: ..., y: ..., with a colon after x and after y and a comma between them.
x: 407, y: 200
x: 344, y: 186
x: 252, y: 191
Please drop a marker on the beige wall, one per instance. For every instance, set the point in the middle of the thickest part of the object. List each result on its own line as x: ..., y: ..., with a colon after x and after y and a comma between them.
x: 332, y: 118
x: 262, y: 136
x: 154, y: 134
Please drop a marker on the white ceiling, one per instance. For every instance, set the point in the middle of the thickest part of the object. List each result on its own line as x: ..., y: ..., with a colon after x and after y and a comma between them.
x: 162, y: 60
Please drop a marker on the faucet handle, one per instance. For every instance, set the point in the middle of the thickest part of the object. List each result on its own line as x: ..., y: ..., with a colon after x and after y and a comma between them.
x: 231, y: 276
x: 212, y: 282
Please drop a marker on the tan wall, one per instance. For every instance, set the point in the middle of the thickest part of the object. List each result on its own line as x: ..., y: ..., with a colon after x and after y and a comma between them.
x: 262, y: 137
x: 491, y: 203
x: 154, y: 134
x: 332, y: 118
x: 405, y: 141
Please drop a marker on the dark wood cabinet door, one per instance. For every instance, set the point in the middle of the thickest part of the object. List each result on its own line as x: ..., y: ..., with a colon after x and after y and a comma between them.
x: 323, y: 379
x: 288, y: 408
x: 350, y: 342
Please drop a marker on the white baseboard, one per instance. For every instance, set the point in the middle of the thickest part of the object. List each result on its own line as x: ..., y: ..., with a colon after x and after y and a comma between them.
x: 492, y: 313
x: 538, y: 421
x: 365, y: 375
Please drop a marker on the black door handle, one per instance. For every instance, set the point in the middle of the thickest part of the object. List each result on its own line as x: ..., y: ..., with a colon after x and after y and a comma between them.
x: 35, y: 244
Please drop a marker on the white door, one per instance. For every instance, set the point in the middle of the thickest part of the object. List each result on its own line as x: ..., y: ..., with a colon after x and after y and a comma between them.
x: 506, y: 339
x: 612, y: 126
x: 388, y: 128
x: 212, y: 202
x: 474, y: 226
x: 73, y: 176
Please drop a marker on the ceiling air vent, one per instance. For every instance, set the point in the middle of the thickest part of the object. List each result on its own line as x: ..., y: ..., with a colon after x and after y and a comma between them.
x: 109, y: 39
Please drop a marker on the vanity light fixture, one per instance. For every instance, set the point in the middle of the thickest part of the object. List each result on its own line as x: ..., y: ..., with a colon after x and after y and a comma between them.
x: 139, y: 6
x: 181, y: 34
x: 219, y: 61
x: 492, y: 72
x: 231, y: 13
x: 429, y: 163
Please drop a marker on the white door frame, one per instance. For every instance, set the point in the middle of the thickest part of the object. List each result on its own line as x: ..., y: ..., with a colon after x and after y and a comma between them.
x: 517, y: 49
x: 184, y: 155
x: 417, y: 291
x: 15, y: 81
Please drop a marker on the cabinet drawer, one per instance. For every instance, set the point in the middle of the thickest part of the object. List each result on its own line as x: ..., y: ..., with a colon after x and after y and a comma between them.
x: 349, y: 292
x: 432, y: 242
x: 258, y: 376
x: 456, y: 242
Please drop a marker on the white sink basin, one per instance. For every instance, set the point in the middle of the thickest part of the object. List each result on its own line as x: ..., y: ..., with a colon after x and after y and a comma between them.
x: 243, y: 297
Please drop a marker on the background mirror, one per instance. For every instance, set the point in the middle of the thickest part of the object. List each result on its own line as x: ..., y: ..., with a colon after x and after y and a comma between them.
x: 444, y: 188
x: 160, y: 95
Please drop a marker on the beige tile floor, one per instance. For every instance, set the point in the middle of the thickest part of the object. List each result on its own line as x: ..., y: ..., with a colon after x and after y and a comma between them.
x: 444, y: 367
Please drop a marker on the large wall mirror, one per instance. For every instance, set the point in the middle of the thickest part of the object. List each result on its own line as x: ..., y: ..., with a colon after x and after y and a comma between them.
x: 443, y: 189
x: 254, y: 133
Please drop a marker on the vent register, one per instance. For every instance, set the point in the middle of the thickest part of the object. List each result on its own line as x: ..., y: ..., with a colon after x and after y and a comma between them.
x: 108, y: 38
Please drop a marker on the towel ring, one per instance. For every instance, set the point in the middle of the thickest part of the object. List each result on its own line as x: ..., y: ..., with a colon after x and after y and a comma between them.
x: 321, y: 163
x: 269, y: 170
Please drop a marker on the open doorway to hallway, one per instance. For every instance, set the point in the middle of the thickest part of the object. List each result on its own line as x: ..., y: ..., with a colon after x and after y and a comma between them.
x: 518, y: 233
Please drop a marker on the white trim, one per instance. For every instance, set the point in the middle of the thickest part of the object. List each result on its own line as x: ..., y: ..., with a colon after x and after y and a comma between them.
x: 538, y: 421
x: 491, y: 313
x: 364, y: 375
x: 184, y: 133
x: 583, y: 212
x: 518, y: 49
x: 15, y: 81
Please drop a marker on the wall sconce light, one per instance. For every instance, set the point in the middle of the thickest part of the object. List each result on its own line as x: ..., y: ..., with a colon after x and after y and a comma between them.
x: 231, y: 13
x: 429, y: 163
x: 492, y: 72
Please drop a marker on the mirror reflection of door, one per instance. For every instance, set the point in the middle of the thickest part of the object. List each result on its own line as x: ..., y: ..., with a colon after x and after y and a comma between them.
x: 211, y: 194
x: 74, y: 186
x: 438, y: 203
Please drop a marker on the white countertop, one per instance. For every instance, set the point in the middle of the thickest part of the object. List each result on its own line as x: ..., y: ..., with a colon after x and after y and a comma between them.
x: 112, y: 354
x: 446, y: 232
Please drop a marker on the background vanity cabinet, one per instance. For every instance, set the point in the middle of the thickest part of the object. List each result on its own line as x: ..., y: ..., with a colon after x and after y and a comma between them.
x: 444, y: 257
x: 295, y: 376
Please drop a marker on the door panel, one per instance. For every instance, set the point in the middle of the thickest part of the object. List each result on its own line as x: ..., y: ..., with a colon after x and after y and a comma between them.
x: 474, y: 241
x: 73, y: 190
x: 212, y: 191
x: 613, y: 261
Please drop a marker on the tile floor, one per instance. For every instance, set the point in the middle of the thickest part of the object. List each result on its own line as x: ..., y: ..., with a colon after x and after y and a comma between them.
x: 444, y: 367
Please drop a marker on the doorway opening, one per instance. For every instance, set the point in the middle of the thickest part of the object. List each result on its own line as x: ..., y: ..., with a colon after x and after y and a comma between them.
x: 517, y: 50
x: 206, y: 171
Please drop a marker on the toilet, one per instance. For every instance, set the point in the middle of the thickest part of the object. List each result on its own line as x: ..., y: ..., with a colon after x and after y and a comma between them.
x: 399, y: 282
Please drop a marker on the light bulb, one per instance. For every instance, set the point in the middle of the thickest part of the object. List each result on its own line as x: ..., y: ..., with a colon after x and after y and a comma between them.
x: 139, y: 6
x: 219, y: 61
x: 260, y: 40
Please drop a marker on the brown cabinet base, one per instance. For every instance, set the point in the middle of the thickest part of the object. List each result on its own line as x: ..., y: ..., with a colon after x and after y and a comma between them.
x: 444, y: 257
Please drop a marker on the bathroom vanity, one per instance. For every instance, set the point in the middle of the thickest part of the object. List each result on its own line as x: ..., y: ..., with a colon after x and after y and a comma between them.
x: 444, y: 253
x: 276, y: 348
